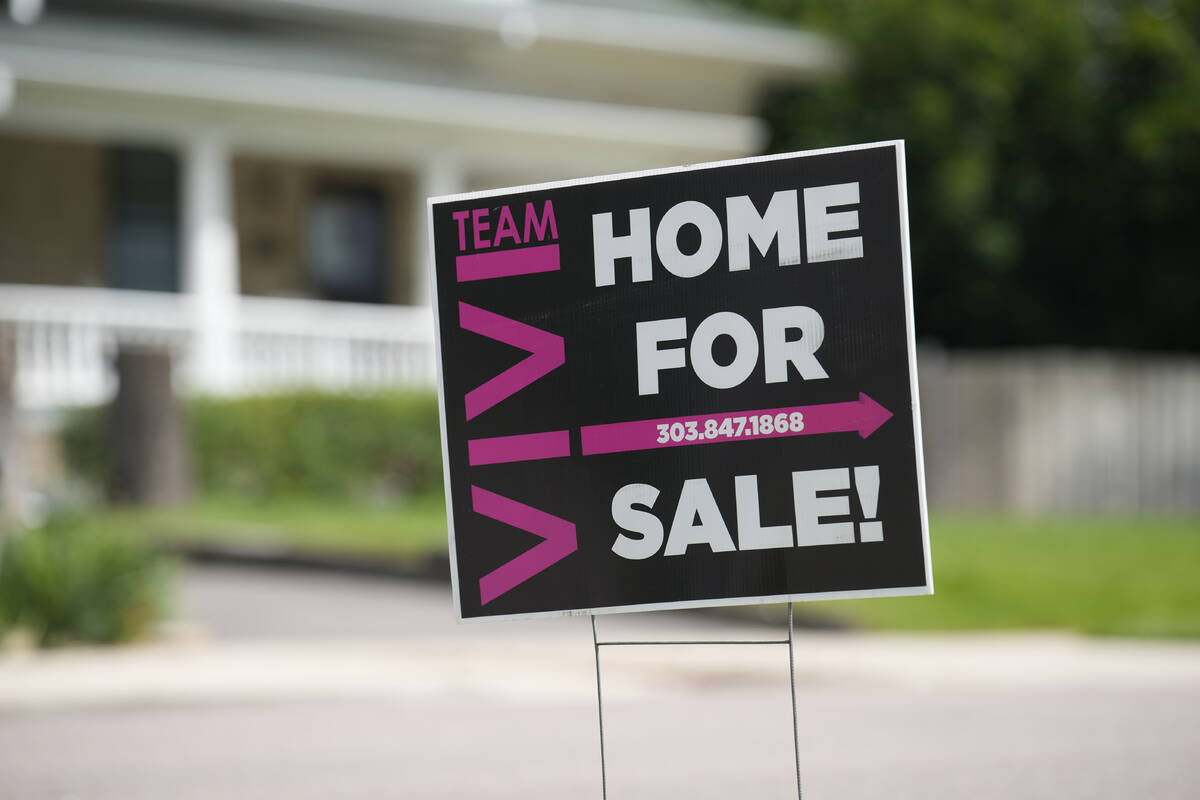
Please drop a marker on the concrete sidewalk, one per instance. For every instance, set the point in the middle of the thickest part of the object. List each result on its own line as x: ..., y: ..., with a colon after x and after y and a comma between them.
x: 247, y: 634
x: 557, y: 662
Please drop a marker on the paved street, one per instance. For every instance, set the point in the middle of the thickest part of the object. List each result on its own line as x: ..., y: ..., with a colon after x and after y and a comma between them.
x: 303, y: 685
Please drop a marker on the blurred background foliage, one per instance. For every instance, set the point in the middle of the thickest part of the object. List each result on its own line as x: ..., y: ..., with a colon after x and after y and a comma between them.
x: 383, y: 446
x: 1053, y: 156
x: 304, y: 473
x: 68, y: 582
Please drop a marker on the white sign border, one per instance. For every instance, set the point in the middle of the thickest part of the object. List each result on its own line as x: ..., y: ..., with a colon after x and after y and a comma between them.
x: 902, y: 199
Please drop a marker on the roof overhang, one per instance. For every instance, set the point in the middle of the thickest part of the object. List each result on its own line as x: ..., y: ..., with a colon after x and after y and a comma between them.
x: 386, y: 100
x: 723, y: 37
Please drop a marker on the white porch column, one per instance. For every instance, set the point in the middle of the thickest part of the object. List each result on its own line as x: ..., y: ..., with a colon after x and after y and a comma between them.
x: 441, y: 174
x: 210, y: 264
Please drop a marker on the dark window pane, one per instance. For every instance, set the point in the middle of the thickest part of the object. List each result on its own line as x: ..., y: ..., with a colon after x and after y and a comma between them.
x: 143, y: 229
x: 347, y: 244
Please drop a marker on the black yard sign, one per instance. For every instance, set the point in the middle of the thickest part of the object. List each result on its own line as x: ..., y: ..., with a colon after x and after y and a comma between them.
x: 681, y: 388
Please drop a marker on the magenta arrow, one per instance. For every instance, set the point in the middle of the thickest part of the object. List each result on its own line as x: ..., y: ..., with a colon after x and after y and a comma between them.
x: 558, y: 541
x: 863, y: 415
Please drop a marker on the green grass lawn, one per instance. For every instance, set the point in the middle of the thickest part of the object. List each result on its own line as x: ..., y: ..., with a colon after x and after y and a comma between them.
x: 1110, y: 577
x: 1128, y: 578
x: 414, y: 529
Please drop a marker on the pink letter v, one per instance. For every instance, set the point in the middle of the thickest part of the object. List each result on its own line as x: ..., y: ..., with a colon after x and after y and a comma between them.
x: 558, y: 541
x: 546, y: 353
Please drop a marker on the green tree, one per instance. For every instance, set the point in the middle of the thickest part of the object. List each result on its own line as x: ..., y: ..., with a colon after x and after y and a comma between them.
x: 1053, y: 158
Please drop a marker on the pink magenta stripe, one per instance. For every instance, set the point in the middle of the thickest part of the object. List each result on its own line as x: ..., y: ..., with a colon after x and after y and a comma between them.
x: 522, y: 447
x: 503, y: 263
x: 863, y: 415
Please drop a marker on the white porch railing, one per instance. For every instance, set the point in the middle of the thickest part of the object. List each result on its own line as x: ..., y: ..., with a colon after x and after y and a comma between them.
x: 66, y: 338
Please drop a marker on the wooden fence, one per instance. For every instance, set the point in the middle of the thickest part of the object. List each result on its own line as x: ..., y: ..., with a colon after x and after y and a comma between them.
x: 1061, y: 431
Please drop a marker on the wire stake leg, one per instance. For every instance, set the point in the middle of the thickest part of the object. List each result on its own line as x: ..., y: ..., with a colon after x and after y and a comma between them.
x: 790, y: 640
x: 792, y: 679
x: 600, y: 712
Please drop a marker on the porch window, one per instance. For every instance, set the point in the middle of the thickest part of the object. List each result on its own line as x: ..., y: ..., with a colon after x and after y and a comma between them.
x: 143, y: 224
x: 347, y: 243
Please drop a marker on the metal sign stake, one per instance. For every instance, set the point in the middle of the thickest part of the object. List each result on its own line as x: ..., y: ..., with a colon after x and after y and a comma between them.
x: 600, y: 713
x: 789, y: 641
x: 792, y: 680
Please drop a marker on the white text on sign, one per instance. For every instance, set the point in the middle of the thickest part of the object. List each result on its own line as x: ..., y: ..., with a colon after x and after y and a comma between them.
x: 779, y: 222
x: 698, y: 520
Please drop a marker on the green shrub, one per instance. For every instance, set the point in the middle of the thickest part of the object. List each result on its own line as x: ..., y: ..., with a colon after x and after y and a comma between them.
x: 313, y: 443
x: 62, y: 584
x: 84, y: 438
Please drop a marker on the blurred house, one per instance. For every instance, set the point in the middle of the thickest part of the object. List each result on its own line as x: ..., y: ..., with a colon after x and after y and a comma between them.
x: 244, y: 180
